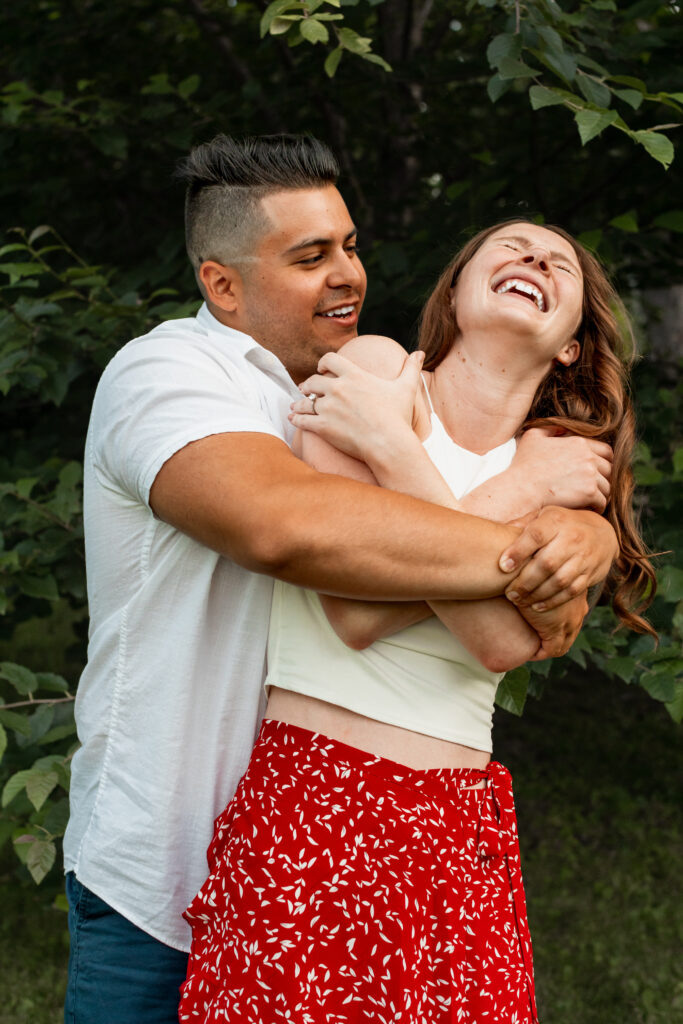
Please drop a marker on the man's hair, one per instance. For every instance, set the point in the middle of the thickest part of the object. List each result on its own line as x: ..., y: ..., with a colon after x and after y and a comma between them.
x: 227, y: 178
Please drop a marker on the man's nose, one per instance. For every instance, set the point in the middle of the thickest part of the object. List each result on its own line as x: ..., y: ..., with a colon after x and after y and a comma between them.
x: 346, y: 271
x: 539, y: 257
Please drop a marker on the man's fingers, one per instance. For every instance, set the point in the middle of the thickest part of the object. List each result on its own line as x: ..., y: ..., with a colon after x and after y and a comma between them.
x: 535, y: 536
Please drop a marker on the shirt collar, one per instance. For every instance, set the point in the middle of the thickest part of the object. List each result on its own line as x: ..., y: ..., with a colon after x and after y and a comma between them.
x: 246, y: 346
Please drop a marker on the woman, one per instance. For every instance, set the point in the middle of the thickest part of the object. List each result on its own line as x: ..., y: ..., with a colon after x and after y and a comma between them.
x: 368, y: 868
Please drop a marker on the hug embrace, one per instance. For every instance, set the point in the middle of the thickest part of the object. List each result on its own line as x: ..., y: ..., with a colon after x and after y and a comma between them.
x: 430, y: 521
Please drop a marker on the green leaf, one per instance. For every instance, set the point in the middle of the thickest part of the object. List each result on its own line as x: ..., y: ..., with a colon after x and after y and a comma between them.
x: 38, y: 232
x: 660, y: 684
x: 591, y: 239
x: 375, y: 58
x: 540, y: 96
x: 510, y: 68
x: 551, y: 38
x: 457, y: 189
x: 633, y: 97
x: 274, y: 10
x: 14, y: 785
x: 59, y: 732
x: 595, y: 92
x: 52, y: 682
x: 625, y: 668
x: 675, y: 706
x: 279, y: 26
x: 512, y: 690
x: 672, y: 221
x: 657, y: 145
x: 670, y: 581
x: 332, y: 62
x: 57, y: 817
x: 561, y: 63
x: 496, y: 87
x: 3, y: 741
x: 39, y: 785
x: 41, y: 857
x: 592, y: 122
x: 22, y: 679
x: 314, y: 31
x: 16, y: 722
x: 39, y: 586
x: 188, y: 86
x: 353, y: 42
x: 506, y: 44
x: 626, y: 222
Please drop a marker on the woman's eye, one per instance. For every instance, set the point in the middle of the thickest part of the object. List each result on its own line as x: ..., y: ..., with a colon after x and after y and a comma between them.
x: 567, y: 270
x: 507, y: 245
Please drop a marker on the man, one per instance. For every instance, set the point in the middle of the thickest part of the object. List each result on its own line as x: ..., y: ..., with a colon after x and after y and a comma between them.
x: 193, y: 500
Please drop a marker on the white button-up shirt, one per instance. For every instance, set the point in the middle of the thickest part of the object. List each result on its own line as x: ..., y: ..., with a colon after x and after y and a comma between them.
x: 170, y: 700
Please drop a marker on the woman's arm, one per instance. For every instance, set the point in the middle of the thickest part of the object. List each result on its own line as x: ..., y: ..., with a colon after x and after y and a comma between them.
x: 492, y: 630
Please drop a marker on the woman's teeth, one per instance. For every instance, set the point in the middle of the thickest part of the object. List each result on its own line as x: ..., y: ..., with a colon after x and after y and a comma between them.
x: 514, y: 283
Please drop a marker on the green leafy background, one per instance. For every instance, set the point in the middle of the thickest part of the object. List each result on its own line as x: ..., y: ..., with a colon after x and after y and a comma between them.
x: 446, y: 117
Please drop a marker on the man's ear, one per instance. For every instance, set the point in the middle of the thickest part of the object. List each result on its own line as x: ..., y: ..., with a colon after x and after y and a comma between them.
x: 222, y: 285
x: 569, y: 353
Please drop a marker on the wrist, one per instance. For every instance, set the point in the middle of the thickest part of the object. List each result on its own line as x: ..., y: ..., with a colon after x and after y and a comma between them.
x: 389, y: 451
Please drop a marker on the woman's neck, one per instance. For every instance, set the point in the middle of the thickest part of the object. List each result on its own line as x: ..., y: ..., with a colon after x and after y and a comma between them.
x: 482, y: 394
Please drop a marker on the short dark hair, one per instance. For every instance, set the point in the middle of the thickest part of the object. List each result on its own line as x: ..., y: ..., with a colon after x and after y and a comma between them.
x: 226, y: 179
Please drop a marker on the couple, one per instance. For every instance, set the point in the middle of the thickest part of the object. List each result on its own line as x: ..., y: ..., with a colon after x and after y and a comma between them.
x: 369, y: 815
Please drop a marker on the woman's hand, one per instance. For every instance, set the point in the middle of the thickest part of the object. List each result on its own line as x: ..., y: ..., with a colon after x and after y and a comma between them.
x: 362, y: 414
x: 563, y: 469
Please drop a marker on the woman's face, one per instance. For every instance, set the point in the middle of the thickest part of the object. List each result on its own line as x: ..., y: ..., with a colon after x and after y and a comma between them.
x: 524, y: 279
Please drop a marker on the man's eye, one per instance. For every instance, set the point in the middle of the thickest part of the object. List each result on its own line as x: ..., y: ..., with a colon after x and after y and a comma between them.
x: 353, y: 249
x: 312, y: 259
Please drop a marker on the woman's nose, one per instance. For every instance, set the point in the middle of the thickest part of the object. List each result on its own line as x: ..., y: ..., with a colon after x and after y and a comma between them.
x: 539, y: 257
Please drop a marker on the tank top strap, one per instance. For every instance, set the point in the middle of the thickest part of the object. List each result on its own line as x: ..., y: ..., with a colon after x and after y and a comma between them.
x: 429, y: 397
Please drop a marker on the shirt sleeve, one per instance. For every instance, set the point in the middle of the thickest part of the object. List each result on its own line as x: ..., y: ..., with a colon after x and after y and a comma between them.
x: 156, y: 397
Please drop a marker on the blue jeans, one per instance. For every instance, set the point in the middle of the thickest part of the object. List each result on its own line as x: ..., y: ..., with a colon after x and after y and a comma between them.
x: 118, y: 974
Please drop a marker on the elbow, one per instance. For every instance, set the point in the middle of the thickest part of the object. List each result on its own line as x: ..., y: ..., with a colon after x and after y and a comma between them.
x: 505, y: 660
x: 351, y: 633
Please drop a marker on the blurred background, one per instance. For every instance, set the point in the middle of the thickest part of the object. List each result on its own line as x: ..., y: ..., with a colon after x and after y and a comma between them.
x: 446, y: 117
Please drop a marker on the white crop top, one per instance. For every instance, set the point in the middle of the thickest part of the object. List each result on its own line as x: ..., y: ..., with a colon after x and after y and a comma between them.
x: 421, y: 678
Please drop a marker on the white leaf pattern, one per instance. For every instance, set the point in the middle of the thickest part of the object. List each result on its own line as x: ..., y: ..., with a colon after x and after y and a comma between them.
x: 394, y: 897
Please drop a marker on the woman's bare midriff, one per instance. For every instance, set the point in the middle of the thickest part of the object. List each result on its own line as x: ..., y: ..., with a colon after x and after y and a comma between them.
x: 412, y: 749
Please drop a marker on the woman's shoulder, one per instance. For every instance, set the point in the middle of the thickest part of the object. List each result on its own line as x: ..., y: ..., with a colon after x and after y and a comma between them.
x: 382, y: 356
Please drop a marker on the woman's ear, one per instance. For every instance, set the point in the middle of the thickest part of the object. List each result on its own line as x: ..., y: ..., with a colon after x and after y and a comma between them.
x: 569, y: 353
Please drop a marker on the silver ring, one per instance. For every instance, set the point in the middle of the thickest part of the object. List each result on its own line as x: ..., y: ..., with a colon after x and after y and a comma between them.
x: 313, y: 397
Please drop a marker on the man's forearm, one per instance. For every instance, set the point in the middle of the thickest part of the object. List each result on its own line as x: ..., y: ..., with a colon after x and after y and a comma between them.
x: 323, y: 531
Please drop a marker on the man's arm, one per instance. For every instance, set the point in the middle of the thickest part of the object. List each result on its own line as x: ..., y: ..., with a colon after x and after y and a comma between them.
x: 248, y: 497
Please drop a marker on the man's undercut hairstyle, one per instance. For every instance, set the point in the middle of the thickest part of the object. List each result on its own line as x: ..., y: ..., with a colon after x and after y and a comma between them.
x: 227, y: 178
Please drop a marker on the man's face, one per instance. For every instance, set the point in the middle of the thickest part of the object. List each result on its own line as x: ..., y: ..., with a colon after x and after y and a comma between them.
x: 302, y: 295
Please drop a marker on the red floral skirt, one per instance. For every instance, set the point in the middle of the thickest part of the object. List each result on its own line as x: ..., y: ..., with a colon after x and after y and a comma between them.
x: 348, y: 888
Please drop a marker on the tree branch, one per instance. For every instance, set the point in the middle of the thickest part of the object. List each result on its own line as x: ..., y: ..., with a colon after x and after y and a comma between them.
x: 214, y: 30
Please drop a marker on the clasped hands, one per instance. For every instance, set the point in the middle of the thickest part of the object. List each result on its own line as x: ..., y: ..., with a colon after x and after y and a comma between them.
x: 562, y: 549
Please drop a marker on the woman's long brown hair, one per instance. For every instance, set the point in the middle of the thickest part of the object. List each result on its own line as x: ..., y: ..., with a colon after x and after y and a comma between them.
x: 588, y: 398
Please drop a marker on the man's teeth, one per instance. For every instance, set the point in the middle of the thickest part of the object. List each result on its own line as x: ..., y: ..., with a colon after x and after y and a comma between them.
x: 342, y: 311
x: 522, y: 286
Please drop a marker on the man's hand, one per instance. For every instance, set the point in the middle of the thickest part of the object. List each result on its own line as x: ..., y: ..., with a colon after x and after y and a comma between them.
x: 357, y: 411
x: 563, y: 469
x: 557, y: 628
x: 567, y: 551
